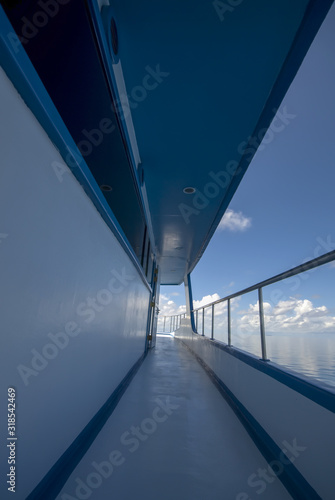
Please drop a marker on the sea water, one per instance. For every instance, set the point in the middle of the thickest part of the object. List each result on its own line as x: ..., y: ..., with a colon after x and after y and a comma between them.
x: 311, y: 354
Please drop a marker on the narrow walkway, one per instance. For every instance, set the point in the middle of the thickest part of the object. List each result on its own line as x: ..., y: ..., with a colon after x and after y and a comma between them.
x: 172, y: 437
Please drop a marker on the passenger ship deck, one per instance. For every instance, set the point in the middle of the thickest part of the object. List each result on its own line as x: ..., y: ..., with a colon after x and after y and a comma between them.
x: 173, y: 435
x: 126, y: 129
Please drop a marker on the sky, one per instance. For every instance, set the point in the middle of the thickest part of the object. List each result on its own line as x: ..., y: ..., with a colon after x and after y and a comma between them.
x: 282, y: 214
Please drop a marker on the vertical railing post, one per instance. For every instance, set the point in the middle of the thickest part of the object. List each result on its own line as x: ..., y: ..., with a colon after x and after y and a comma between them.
x: 229, y: 322
x: 171, y: 324
x: 196, y: 322
x: 212, y: 331
x: 203, y: 321
x: 164, y: 323
x: 261, y: 322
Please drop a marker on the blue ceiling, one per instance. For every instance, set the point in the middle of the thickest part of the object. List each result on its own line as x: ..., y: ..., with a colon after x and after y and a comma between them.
x: 225, y: 77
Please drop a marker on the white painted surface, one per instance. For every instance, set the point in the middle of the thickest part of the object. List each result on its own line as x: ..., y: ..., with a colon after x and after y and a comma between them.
x: 57, y: 255
x: 285, y: 414
x: 194, y: 449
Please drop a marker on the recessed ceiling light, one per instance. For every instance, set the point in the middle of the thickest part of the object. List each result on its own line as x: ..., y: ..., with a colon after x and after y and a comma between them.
x: 106, y: 187
x: 189, y: 190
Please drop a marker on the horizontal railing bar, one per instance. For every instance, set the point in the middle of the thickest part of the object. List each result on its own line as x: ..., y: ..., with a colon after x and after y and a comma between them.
x: 311, y: 264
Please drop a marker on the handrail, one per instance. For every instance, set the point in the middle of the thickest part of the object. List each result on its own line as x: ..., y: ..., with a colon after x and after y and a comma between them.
x: 311, y: 264
x: 175, y: 321
x: 319, y: 261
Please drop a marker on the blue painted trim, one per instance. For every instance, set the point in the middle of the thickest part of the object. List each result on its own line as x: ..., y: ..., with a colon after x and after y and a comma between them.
x: 189, y: 298
x: 25, y: 79
x: 291, y: 478
x: 55, y: 479
x: 304, y: 386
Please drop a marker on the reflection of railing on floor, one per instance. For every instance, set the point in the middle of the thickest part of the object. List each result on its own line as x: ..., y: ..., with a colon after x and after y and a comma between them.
x: 172, y: 323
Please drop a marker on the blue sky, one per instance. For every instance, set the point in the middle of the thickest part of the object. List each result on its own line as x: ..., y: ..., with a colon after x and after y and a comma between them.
x: 282, y: 212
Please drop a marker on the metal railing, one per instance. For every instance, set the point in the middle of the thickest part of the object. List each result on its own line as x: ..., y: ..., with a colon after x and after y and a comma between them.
x: 319, y: 261
x: 170, y: 323
x: 200, y: 316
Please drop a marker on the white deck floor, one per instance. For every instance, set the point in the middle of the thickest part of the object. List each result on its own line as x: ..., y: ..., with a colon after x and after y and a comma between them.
x: 194, y: 449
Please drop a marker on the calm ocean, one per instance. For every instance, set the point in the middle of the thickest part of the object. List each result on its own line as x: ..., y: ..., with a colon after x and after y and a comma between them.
x: 310, y: 354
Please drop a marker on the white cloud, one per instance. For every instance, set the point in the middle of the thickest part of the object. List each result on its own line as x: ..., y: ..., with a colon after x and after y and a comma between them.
x: 168, y: 307
x: 288, y: 316
x: 206, y: 300
x: 234, y: 221
x: 162, y: 296
x: 295, y: 315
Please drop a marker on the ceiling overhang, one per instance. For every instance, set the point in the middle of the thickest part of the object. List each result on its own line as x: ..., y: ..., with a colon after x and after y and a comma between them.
x: 203, y: 83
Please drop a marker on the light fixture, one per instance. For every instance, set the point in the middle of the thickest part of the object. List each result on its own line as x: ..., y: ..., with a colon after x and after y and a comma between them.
x: 106, y: 187
x: 189, y: 190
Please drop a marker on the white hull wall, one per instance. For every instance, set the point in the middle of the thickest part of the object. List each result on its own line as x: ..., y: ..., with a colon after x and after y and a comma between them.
x: 284, y: 414
x: 62, y: 272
